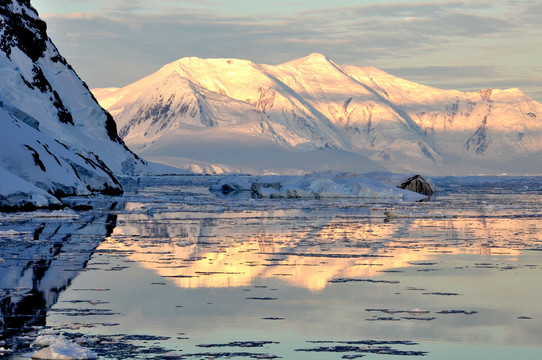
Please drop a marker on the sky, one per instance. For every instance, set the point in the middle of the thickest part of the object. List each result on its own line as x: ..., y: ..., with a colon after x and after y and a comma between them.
x: 466, y: 45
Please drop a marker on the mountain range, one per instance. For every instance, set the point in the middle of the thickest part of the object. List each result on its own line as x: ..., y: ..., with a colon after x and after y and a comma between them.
x: 311, y: 114
x: 231, y: 115
x: 56, y: 140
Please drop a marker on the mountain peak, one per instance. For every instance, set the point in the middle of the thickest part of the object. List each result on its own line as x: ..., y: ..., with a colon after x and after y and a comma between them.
x: 317, y: 57
x: 314, y: 58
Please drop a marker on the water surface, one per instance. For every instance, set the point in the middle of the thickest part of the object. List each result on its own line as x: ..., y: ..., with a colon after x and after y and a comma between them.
x: 174, y: 269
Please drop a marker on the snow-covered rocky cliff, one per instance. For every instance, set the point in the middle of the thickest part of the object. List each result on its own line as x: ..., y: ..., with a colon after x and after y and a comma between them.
x: 56, y: 140
x: 311, y: 114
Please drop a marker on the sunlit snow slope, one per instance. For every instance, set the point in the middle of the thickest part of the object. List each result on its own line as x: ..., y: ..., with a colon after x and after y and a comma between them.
x: 55, y: 138
x: 312, y: 114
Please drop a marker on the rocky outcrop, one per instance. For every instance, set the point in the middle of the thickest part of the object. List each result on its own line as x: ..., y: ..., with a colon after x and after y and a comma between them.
x: 417, y: 184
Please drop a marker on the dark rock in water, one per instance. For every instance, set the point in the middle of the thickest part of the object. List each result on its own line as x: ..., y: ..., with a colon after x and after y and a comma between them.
x: 228, y: 189
x: 81, y: 207
x: 417, y: 184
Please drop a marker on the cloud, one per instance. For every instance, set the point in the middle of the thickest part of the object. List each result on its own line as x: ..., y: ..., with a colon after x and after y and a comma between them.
x: 433, y: 36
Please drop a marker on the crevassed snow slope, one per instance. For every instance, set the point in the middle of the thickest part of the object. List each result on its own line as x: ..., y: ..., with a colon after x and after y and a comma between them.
x: 311, y: 104
x: 18, y: 193
x: 54, y: 133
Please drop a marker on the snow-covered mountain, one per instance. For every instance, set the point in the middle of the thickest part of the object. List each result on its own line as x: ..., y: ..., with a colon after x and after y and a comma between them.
x: 55, y: 138
x: 311, y: 114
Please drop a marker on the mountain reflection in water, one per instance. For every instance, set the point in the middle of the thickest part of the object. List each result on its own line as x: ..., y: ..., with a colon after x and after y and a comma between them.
x: 41, y: 254
x: 302, y: 248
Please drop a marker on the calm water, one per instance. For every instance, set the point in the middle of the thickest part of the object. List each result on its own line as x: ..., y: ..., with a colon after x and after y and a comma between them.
x: 174, y: 269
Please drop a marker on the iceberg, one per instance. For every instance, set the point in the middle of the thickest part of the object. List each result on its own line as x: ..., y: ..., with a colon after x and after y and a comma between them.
x: 328, y: 184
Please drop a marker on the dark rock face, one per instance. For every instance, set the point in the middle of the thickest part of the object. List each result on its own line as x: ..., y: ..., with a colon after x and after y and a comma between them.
x: 27, y: 32
x: 111, y: 127
x: 22, y: 30
x: 417, y: 184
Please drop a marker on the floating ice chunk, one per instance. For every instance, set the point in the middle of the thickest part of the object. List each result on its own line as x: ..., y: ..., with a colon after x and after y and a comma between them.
x: 171, y: 355
x: 417, y: 311
x: 45, y: 340
x: 85, y: 341
x: 58, y: 347
x: 266, y: 356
